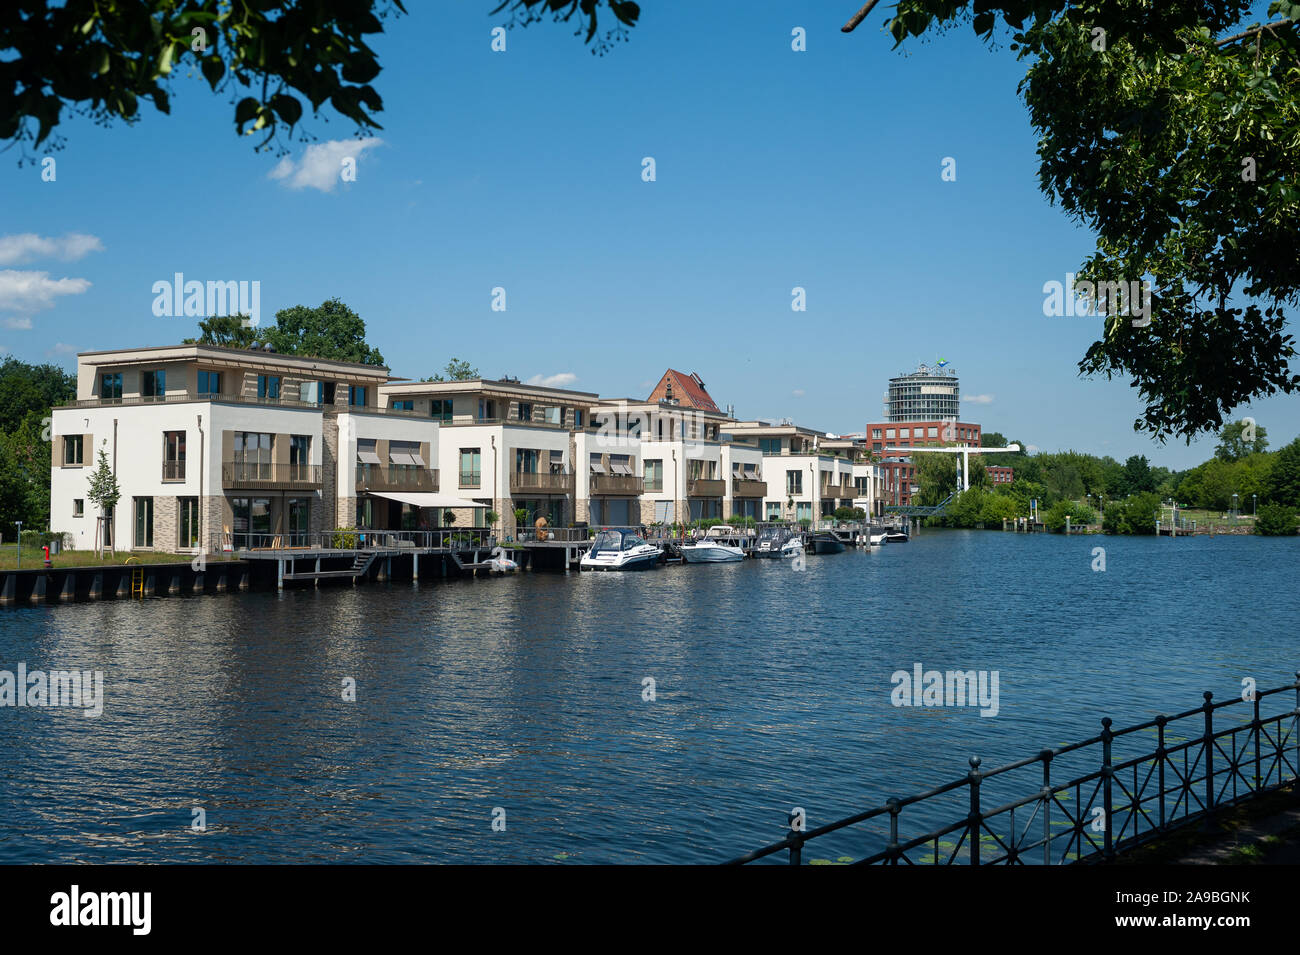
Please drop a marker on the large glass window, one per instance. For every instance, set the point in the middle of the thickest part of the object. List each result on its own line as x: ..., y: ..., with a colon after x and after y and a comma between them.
x: 153, y: 384
x: 794, y: 482
x: 525, y: 411
x: 471, y: 467
x: 440, y: 409
x: 143, y: 521
x: 110, y: 386
x: 357, y: 396
x: 209, y: 382
x: 309, y: 392
x: 299, y: 520
x: 299, y: 457
x: 251, y: 521
x: 769, y: 445
x: 188, y: 535
x: 577, y: 417
x: 402, y: 404
x: 173, y: 456
x: 526, y: 461
x: 251, y: 453
x: 654, y: 475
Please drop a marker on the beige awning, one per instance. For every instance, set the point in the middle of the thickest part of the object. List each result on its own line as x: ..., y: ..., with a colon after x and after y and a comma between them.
x: 368, y: 457
x: 426, y: 499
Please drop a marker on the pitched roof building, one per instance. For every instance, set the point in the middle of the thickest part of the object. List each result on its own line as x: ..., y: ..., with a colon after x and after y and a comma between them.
x: 685, y: 390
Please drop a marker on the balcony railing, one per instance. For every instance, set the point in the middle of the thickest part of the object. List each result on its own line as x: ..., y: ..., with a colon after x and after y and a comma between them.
x: 380, y: 478
x: 741, y: 487
x: 269, y: 476
x: 173, y: 471
x: 839, y: 490
x: 705, y: 487
x: 471, y: 479
x: 543, y: 482
x: 616, y: 484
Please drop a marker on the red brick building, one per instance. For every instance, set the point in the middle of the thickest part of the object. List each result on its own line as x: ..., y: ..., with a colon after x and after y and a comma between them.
x: 900, y: 473
x: 1000, y: 475
x: 685, y: 390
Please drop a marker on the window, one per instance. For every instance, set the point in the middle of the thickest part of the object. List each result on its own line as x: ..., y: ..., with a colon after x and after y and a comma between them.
x: 932, y: 432
x: 357, y: 396
x: 525, y: 411
x: 173, y: 456
x: 654, y: 475
x: 268, y: 387
x: 906, y: 432
x: 553, y: 415
x: 889, y: 433
x: 471, y: 467
x: 209, y: 383
x: 78, y: 507
x: 793, y: 482
x: 299, y: 457
x: 153, y: 384
x: 366, y: 512
x: 526, y: 461
x: 110, y: 386
x: 803, y: 511
x: 143, y: 521
x: 251, y: 521
x: 773, y: 510
x: 188, y: 533
x: 487, y: 409
x: 769, y: 445
x: 299, y: 520
x: 251, y: 455
x: 309, y: 392
x: 73, y: 449
x: 326, y: 392
x: 440, y: 409
x: 405, y: 404
x: 577, y: 418
x: 875, y: 433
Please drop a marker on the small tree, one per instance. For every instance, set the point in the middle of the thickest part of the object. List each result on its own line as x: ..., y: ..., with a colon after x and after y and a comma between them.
x: 104, y: 493
x: 1276, y: 520
x: 491, y: 517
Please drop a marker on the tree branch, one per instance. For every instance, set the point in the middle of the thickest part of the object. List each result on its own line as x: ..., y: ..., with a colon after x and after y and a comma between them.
x: 1255, y: 31
x: 859, y: 16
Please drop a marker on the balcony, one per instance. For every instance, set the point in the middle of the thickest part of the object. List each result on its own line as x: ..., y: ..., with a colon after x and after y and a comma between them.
x: 269, y: 476
x: 541, y: 482
x: 839, y: 490
x: 745, y: 488
x: 617, y: 484
x: 471, y: 479
x: 173, y: 471
x: 705, y: 487
x: 381, y: 478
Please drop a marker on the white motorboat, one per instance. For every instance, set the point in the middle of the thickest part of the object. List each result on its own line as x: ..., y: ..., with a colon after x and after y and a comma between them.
x: 620, y: 550
x: 777, y: 542
x: 708, y: 551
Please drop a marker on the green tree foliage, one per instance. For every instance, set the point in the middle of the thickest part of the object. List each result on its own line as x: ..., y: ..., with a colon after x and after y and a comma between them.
x: 1172, y: 132
x: 1283, y: 482
x: 1134, y: 515
x: 1234, y: 444
x: 1079, y: 514
x: 103, y: 57
x: 102, y: 489
x: 586, y: 13
x: 228, y: 331
x: 1276, y: 520
x: 27, y: 395
x: 936, y: 474
x: 456, y: 370
x: 330, y: 330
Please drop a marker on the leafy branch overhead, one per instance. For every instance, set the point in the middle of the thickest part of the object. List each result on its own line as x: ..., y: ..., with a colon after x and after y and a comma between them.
x: 1172, y: 131
x: 103, y: 57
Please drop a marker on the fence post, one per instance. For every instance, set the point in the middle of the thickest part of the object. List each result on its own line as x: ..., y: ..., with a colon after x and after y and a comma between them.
x: 796, y: 842
x: 892, y: 848
x: 1046, y: 757
x: 1295, y: 727
x: 1160, y: 761
x: 1255, y: 725
x: 974, y: 822
x: 1107, y: 776
x: 1209, y: 751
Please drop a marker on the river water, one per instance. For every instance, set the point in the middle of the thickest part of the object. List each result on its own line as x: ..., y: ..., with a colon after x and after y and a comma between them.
x: 523, y: 699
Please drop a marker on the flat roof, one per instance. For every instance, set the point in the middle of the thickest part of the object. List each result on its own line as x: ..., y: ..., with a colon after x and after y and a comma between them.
x: 408, y: 387
x: 198, y: 350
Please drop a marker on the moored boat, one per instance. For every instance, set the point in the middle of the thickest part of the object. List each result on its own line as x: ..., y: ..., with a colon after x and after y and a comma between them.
x: 620, y: 550
x: 826, y: 542
x: 709, y: 551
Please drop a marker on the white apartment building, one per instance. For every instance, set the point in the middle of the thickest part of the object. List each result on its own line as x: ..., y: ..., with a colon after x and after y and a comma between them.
x: 807, y: 474
x: 213, y: 448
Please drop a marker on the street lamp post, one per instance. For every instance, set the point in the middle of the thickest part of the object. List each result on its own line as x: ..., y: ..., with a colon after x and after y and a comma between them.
x: 19, y: 525
x: 1234, y: 506
x: 1252, y: 507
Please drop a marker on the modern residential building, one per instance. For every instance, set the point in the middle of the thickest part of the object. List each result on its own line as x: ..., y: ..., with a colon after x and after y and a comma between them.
x: 212, y: 447
x: 505, y: 445
x: 805, y: 481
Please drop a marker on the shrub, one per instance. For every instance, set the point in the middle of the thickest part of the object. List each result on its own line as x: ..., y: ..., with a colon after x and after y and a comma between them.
x: 1275, y: 520
x: 344, y: 538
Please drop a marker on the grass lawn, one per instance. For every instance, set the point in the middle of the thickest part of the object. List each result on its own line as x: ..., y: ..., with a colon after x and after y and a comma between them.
x: 34, y: 558
x: 1204, y: 518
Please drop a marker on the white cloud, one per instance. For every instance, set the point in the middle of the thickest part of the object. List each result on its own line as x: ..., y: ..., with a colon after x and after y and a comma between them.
x: 979, y: 399
x: 26, y: 292
x: 562, y: 380
x: 16, y: 249
x: 1032, y: 448
x: 321, y: 164
x: 17, y: 324
x: 798, y: 392
x: 63, y: 348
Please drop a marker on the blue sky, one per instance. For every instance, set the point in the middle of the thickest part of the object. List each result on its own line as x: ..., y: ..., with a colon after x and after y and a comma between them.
x: 522, y: 170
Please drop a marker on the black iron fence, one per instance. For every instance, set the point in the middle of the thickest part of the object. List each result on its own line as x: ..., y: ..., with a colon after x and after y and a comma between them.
x: 1129, y: 795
